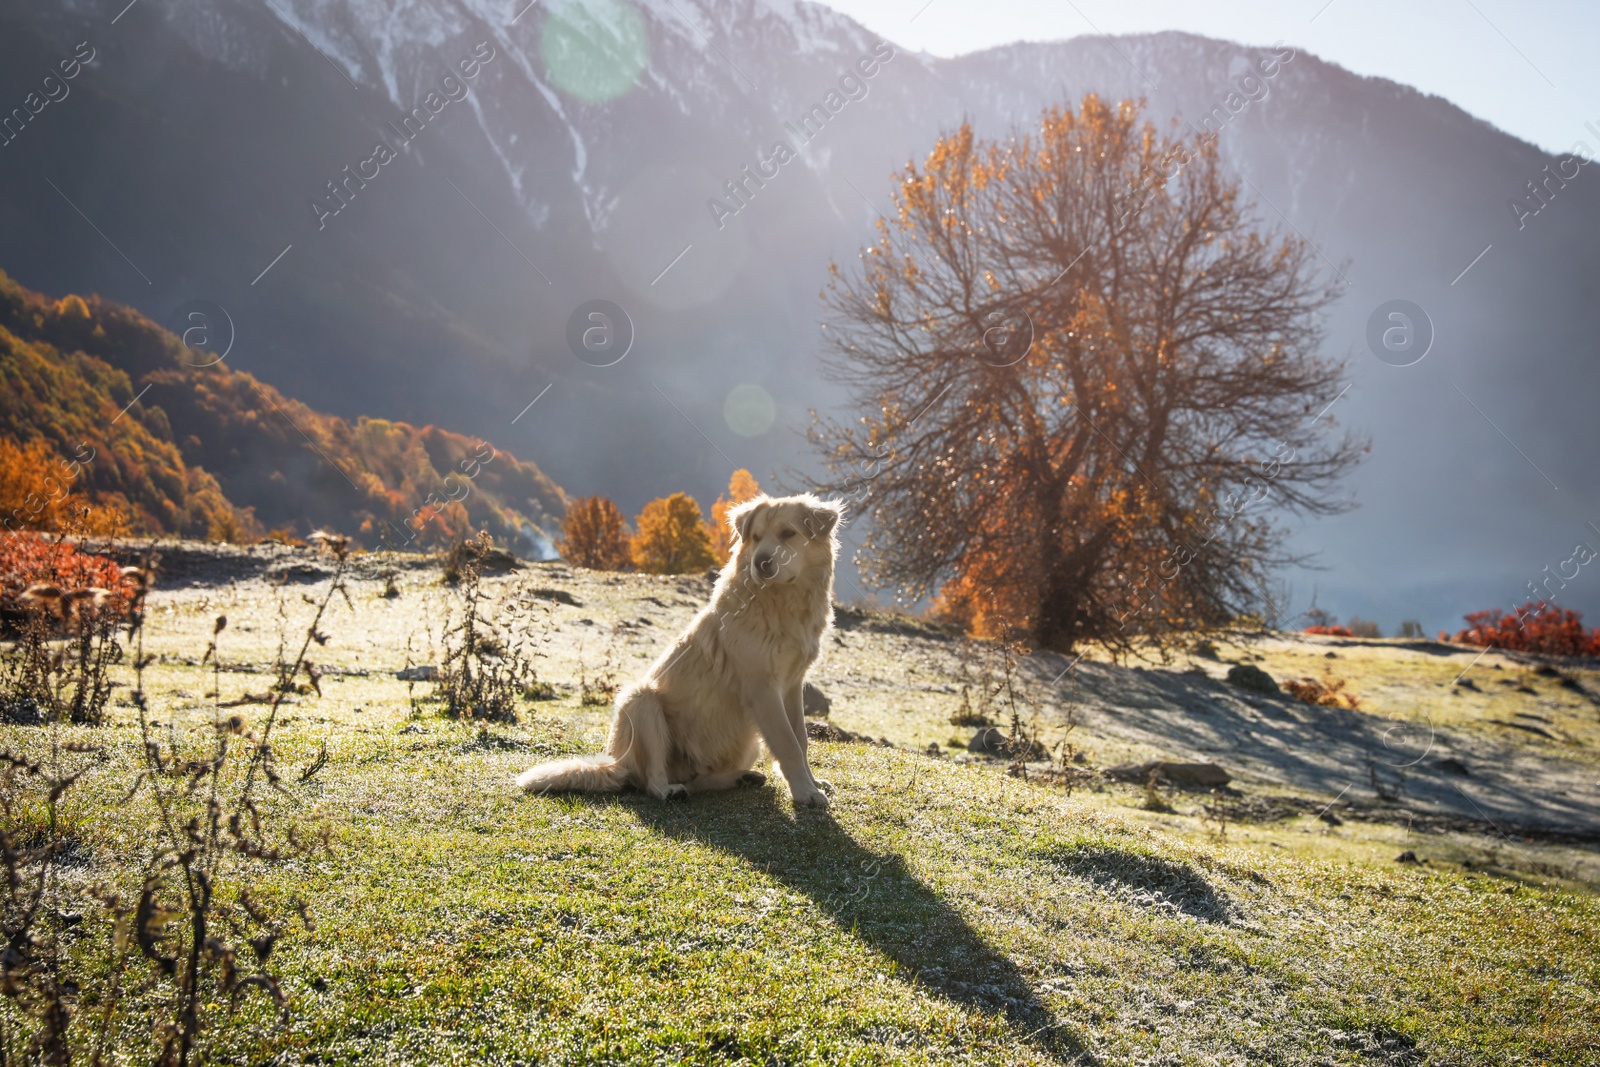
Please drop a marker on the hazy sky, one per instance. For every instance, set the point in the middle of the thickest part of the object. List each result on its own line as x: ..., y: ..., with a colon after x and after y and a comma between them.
x: 1528, y: 66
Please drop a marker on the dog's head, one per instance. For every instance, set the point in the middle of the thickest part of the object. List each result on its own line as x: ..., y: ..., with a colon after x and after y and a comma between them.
x: 785, y: 539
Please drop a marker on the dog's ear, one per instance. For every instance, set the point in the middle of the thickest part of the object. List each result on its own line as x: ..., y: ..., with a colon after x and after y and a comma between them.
x: 822, y: 519
x: 742, y: 516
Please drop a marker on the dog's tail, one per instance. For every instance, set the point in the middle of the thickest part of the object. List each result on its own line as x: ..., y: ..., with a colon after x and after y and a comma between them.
x: 581, y: 774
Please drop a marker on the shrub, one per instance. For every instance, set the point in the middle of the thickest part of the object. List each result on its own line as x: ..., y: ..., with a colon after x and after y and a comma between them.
x: 672, y: 537
x: 1537, y: 626
x: 84, y: 599
x: 594, y: 535
x: 229, y: 528
x: 1360, y: 627
x: 1329, y: 692
x: 477, y: 554
x: 28, y: 559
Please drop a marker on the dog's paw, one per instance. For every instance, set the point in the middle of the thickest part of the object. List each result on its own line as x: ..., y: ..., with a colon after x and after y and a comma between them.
x: 825, y: 786
x: 675, y: 791
x: 814, y: 799
x: 752, y: 778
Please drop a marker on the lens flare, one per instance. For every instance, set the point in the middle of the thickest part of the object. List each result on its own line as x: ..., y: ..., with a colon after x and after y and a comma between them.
x: 594, y: 49
x: 749, y: 410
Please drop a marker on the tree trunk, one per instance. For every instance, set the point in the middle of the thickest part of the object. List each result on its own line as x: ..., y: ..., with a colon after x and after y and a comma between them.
x: 1058, y: 623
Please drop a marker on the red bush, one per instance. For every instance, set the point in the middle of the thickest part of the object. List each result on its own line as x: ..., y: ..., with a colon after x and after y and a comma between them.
x: 1537, y: 626
x: 1330, y: 631
x: 26, y: 559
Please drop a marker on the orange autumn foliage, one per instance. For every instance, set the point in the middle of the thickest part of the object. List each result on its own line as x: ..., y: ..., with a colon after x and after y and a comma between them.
x: 1327, y: 692
x: 1535, y: 627
x: 35, y: 485
x: 594, y: 535
x: 27, y: 559
x: 672, y: 537
x: 741, y: 487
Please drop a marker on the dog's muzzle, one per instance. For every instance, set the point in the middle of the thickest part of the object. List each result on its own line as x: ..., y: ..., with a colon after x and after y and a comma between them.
x: 765, y: 567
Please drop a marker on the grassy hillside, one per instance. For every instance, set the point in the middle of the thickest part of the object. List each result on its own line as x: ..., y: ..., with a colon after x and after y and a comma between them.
x: 198, y: 443
x: 940, y: 912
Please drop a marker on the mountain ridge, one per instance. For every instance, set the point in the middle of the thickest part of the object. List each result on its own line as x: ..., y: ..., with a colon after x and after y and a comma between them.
x: 442, y: 294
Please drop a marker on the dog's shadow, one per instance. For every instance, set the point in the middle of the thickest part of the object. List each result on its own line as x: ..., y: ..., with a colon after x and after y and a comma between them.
x: 874, y: 897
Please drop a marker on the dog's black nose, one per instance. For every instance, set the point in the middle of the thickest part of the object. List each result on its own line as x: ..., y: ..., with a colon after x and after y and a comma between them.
x: 766, y: 566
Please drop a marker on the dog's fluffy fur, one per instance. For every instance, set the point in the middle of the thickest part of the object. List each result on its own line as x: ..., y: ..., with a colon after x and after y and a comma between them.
x: 734, y: 677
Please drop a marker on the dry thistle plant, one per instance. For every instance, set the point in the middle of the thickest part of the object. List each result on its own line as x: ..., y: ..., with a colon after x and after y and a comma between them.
x: 487, y: 665
x: 58, y: 667
x: 1214, y: 814
x: 1153, y: 798
x: 603, y: 689
x: 1064, y: 756
x: 197, y: 932
x: 1011, y: 696
x: 970, y: 713
x: 183, y: 925
x: 36, y: 974
x: 55, y: 673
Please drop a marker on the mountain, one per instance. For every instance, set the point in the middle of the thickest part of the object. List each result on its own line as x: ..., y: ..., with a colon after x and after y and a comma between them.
x: 231, y: 152
x: 71, y: 401
x: 184, y: 446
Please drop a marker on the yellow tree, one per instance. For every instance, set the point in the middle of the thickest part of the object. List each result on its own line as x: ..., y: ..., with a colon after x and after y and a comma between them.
x: 672, y: 537
x: 741, y: 487
x: 1083, y: 378
x: 594, y: 535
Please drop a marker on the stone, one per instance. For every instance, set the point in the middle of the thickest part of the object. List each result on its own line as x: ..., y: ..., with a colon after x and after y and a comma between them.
x: 827, y: 731
x: 1249, y: 676
x: 990, y: 741
x: 815, y: 702
x: 424, y: 673
x: 1206, y: 775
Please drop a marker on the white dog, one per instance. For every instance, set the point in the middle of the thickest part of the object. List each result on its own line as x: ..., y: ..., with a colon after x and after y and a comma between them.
x: 735, y: 675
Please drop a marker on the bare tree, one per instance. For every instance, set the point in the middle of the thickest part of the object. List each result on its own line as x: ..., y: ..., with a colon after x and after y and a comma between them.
x: 1083, y: 375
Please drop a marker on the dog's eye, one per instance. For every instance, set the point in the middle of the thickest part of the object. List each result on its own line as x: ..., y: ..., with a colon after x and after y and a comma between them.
x: 785, y: 535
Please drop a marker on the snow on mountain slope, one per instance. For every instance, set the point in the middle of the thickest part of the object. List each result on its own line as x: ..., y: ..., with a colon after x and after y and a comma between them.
x: 402, y: 48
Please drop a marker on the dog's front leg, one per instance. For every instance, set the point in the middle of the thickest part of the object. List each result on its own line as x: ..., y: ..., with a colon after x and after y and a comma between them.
x: 794, y: 700
x: 766, y: 708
